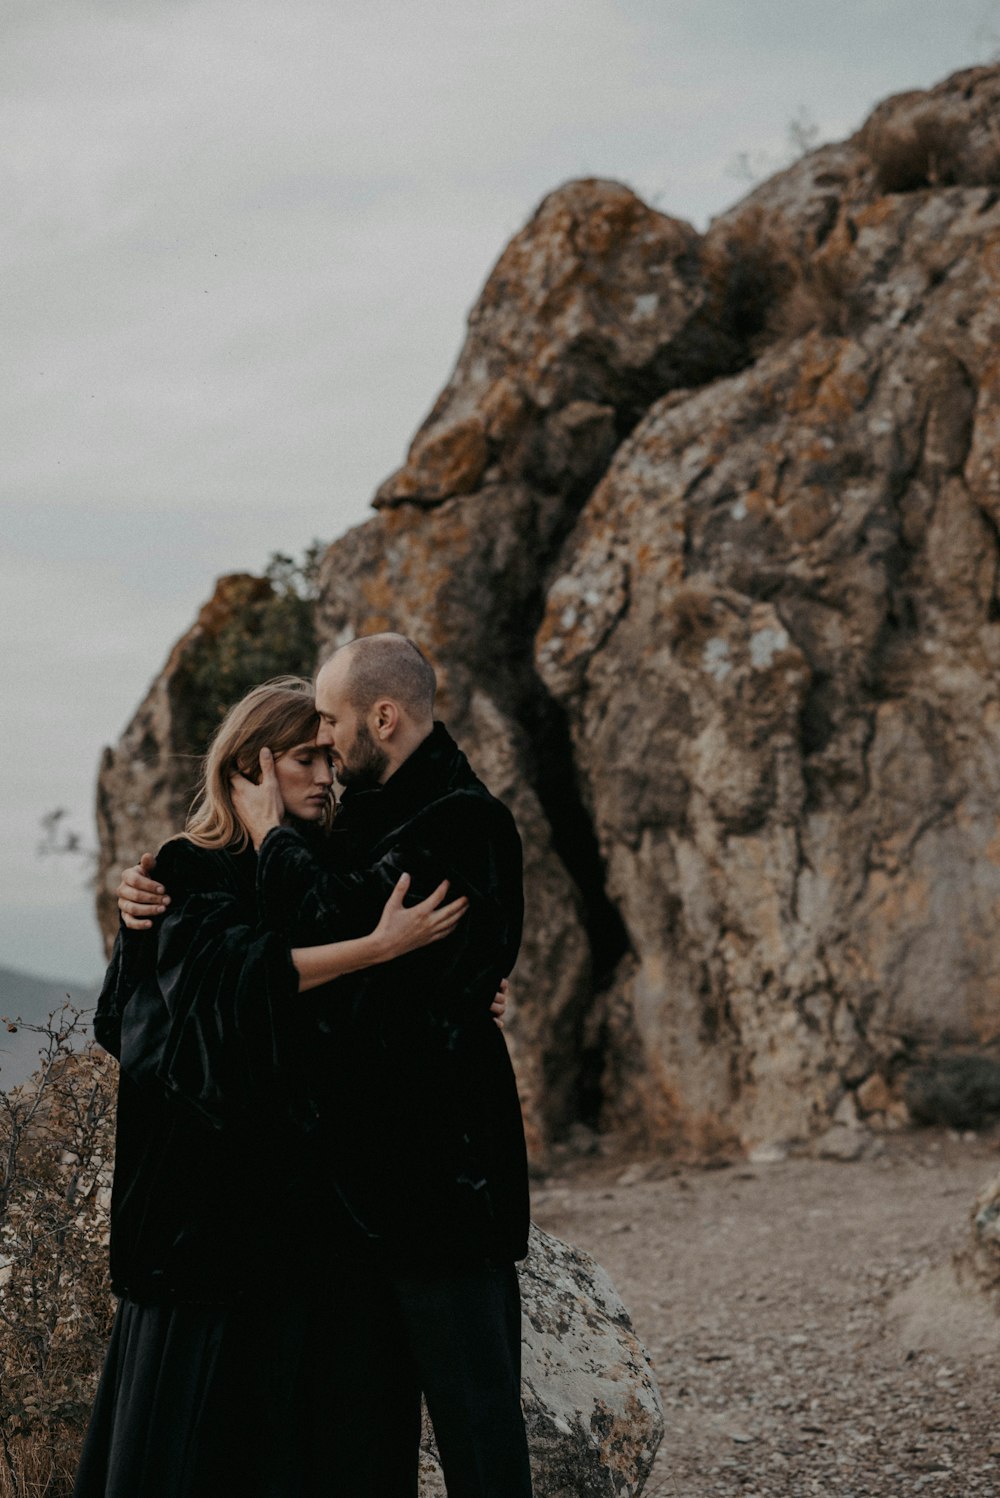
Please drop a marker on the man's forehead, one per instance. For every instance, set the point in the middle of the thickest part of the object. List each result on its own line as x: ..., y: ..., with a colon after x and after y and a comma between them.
x: 330, y: 683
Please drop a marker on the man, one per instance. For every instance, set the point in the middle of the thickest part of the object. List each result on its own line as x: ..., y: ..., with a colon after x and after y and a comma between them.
x: 426, y: 1140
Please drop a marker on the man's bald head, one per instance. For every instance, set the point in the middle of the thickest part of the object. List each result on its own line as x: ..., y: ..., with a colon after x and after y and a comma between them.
x: 375, y: 699
x: 392, y: 666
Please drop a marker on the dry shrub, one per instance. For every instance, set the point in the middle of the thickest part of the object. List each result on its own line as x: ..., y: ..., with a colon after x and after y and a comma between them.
x: 56, y: 1149
x: 823, y: 297
x: 748, y: 268
x: 261, y: 627
x: 932, y: 150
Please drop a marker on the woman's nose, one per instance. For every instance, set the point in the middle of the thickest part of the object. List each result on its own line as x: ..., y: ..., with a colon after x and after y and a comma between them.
x: 324, y: 775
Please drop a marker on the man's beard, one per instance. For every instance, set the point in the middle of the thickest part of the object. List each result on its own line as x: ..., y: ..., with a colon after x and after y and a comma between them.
x: 368, y: 762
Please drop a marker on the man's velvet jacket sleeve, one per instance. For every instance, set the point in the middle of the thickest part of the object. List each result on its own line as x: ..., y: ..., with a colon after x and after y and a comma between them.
x: 216, y: 1019
x: 468, y: 839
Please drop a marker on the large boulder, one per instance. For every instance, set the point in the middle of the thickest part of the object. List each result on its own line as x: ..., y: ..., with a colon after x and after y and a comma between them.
x: 701, y: 537
x: 591, y: 1405
x: 596, y: 307
x: 775, y: 631
x: 435, y: 577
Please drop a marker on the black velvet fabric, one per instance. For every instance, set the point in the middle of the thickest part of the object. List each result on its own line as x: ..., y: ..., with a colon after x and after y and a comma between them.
x: 464, y: 1335
x: 216, y: 1170
x: 257, y: 1125
x: 288, y: 1396
x: 421, y: 1108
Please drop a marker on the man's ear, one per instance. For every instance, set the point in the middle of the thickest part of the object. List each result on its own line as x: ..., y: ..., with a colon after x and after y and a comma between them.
x: 386, y: 720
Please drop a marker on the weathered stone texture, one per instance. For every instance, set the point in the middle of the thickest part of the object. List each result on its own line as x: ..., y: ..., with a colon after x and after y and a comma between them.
x: 596, y: 307
x: 702, y: 538
x: 775, y: 633
x: 433, y: 576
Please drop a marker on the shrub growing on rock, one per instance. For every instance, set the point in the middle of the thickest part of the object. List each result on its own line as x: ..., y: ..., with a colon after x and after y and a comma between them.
x: 266, y: 630
x: 931, y: 150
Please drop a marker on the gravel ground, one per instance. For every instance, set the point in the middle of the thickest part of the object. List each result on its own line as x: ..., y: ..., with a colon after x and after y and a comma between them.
x: 806, y: 1330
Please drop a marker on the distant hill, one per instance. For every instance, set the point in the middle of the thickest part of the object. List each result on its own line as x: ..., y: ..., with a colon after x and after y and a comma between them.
x: 32, y: 1000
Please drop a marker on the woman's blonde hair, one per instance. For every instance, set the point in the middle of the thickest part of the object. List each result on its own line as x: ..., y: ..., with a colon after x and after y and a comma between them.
x: 277, y: 715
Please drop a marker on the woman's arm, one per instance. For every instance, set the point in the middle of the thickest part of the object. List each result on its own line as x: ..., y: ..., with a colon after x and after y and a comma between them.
x: 399, y: 930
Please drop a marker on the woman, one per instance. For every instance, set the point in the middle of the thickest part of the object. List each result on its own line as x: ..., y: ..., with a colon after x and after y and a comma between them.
x: 224, y: 1230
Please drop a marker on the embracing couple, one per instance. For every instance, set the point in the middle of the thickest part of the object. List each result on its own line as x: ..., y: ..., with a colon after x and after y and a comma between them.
x: 320, y: 1184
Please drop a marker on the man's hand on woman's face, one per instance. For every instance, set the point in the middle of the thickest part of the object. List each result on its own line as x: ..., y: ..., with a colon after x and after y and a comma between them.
x: 259, y: 807
x: 139, y: 896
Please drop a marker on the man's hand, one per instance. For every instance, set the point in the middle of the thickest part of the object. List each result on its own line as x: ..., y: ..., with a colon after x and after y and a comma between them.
x: 139, y: 896
x: 259, y: 807
x: 499, y: 1006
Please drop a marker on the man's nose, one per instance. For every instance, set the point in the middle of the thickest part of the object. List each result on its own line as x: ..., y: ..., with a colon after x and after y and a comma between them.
x: 324, y: 735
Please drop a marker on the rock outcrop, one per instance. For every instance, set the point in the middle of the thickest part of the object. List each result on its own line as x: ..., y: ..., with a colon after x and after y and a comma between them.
x: 978, y: 1261
x: 591, y: 1405
x: 702, y: 538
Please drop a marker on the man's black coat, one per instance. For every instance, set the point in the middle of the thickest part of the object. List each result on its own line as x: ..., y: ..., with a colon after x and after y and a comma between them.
x: 420, y: 1106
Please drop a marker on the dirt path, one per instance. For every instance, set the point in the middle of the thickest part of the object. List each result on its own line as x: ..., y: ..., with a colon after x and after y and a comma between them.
x: 805, y: 1336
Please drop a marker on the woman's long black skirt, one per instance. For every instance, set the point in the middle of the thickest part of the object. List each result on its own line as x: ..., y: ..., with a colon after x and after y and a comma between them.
x: 170, y: 1407
x: 260, y: 1399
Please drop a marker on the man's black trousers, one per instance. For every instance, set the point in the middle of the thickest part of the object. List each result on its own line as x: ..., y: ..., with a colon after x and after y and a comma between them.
x: 366, y: 1351
x: 464, y: 1334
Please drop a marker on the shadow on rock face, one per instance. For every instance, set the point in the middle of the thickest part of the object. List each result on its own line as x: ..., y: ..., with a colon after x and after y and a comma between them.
x: 958, y: 1090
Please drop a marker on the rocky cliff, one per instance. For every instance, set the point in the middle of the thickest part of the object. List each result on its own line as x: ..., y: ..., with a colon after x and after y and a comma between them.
x: 702, y: 536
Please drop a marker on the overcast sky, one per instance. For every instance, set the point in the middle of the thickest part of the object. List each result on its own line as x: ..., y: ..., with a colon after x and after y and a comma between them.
x: 239, y: 243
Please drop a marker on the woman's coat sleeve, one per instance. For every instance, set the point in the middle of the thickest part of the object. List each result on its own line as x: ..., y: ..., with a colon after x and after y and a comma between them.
x: 220, y: 1024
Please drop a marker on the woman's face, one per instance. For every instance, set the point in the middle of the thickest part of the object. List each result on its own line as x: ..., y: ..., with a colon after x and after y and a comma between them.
x: 305, y: 779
